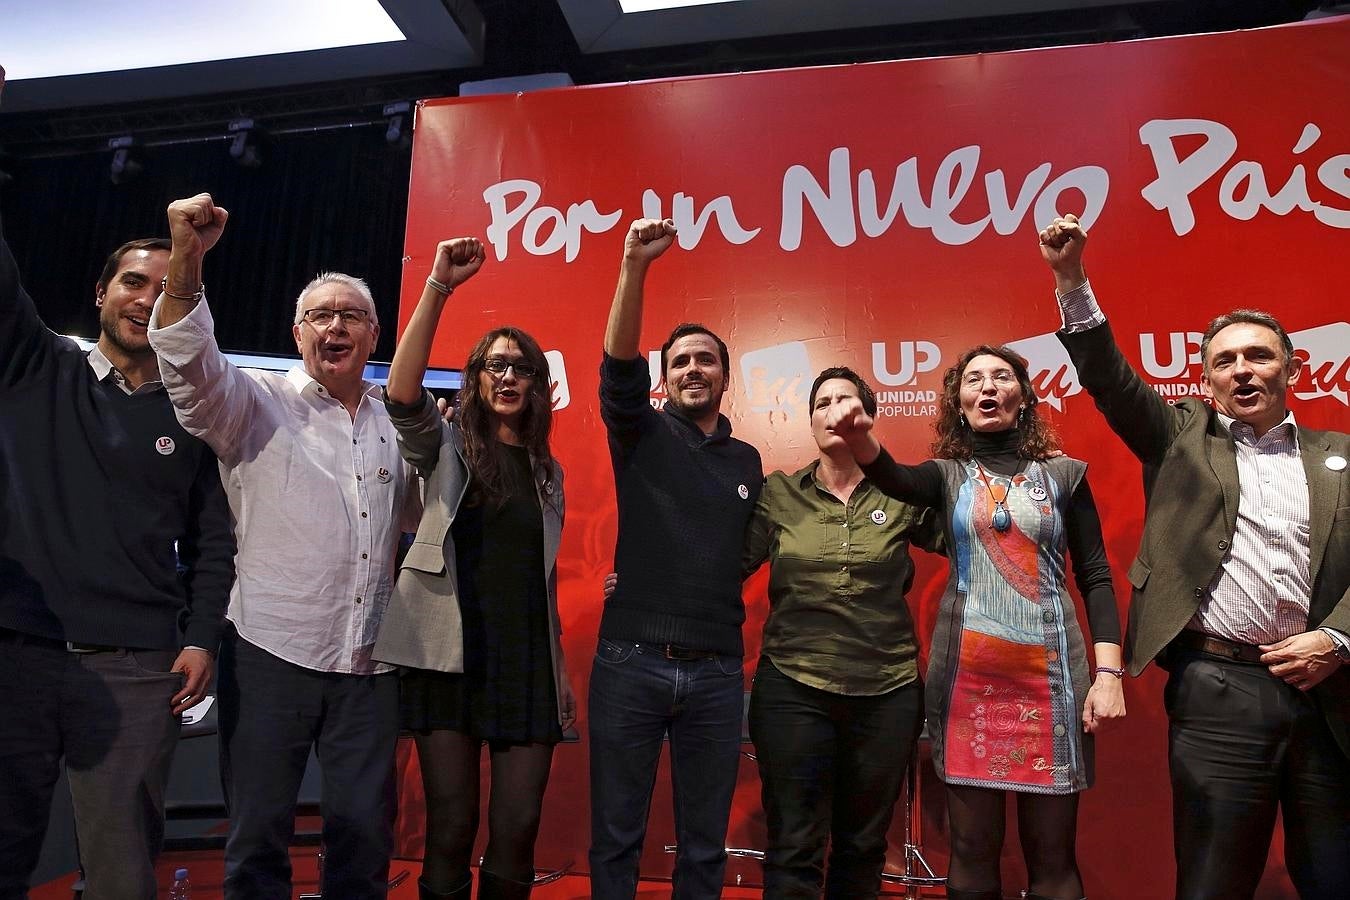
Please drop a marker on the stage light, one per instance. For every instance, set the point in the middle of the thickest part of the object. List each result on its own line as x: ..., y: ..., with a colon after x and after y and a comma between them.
x: 245, y: 146
x: 125, y: 164
x: 398, y: 121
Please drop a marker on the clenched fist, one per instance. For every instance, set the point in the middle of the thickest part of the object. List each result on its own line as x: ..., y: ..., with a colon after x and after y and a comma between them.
x: 195, y: 224
x: 457, y: 260
x: 647, y: 239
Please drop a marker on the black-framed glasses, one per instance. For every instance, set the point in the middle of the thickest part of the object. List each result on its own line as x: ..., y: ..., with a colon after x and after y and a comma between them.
x: 498, y: 365
x: 321, y: 317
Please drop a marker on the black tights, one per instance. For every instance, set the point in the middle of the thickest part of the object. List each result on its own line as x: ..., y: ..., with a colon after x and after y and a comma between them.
x: 450, y: 762
x: 1046, y: 823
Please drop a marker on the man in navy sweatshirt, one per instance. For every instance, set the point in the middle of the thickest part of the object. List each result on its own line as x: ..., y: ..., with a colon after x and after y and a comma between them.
x: 116, y: 558
x: 670, y: 650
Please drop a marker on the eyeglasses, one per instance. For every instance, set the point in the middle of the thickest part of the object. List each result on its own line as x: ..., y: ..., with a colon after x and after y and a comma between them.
x: 1001, y: 378
x: 321, y: 317
x: 498, y: 366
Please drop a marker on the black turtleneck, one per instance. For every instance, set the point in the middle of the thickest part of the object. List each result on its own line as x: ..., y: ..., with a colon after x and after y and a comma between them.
x: 924, y: 485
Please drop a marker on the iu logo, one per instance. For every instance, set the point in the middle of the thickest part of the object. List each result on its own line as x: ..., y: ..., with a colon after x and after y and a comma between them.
x: 1052, y: 374
x: 1325, y: 351
x: 557, y: 371
x: 165, y: 445
x: 777, y: 379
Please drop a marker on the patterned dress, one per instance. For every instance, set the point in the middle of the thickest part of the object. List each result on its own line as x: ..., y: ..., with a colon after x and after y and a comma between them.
x: 1008, y: 676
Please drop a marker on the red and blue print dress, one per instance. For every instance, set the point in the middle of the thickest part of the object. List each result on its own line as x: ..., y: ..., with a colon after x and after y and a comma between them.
x: 1008, y: 673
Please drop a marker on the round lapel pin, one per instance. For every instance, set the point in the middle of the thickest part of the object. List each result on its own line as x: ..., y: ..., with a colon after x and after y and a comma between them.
x: 165, y: 446
x: 1335, y: 463
x: 383, y: 474
x: 878, y: 517
x: 743, y: 491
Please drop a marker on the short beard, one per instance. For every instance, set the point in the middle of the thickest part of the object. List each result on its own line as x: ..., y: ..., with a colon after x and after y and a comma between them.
x: 108, y: 323
x: 712, y: 405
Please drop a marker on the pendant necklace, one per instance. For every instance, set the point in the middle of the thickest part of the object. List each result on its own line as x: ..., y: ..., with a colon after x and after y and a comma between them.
x: 1001, y: 520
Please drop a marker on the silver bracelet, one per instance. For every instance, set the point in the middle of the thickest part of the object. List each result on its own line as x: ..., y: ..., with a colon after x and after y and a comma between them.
x: 439, y: 287
x: 192, y: 298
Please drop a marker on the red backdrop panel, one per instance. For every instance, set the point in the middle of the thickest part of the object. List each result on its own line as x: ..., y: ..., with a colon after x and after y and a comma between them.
x: 884, y: 216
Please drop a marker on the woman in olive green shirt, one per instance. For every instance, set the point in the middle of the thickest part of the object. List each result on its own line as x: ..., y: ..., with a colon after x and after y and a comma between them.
x: 837, y: 702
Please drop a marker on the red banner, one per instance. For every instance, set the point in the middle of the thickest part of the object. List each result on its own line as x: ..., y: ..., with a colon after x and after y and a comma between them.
x: 884, y: 216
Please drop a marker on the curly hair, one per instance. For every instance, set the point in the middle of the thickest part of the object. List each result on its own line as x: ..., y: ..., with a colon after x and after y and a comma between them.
x: 478, y: 424
x: 953, y: 434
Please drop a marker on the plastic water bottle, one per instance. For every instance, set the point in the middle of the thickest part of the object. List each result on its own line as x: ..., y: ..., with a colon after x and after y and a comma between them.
x: 182, y: 887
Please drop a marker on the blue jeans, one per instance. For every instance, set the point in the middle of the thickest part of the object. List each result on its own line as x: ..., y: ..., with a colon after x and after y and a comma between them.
x: 637, y: 696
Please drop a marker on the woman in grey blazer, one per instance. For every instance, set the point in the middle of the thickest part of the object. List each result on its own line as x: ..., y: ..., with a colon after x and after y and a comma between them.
x: 474, y: 614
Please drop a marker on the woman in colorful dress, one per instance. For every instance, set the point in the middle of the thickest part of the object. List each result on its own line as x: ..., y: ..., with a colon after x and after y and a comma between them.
x: 1010, y: 703
x: 474, y: 614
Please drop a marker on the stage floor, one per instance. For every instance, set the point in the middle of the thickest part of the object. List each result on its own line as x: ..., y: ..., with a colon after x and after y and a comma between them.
x: 207, y: 868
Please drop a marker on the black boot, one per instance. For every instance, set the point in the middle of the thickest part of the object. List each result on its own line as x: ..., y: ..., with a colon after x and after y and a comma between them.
x: 958, y: 894
x: 463, y: 892
x: 495, y: 887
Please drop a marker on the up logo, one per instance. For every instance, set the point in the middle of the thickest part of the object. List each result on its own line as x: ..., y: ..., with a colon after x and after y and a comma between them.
x: 1052, y: 374
x: 1180, y: 355
x: 913, y: 357
x: 1325, y: 351
x: 557, y: 370
x: 777, y: 379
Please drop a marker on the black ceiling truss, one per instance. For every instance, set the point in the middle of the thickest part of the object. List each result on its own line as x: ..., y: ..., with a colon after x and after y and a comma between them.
x: 531, y: 37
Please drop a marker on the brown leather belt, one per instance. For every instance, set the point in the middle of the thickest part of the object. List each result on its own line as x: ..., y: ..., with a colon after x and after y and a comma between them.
x: 1214, y: 646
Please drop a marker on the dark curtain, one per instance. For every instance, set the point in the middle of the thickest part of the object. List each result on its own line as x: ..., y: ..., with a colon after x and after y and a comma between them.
x: 322, y: 201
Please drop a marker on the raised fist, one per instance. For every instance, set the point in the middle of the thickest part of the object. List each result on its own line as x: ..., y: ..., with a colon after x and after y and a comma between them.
x: 648, y: 238
x: 1062, y: 246
x: 848, y: 420
x: 457, y: 260
x: 195, y: 224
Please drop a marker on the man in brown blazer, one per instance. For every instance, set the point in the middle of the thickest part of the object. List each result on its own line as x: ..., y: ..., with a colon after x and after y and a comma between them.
x: 1241, y: 591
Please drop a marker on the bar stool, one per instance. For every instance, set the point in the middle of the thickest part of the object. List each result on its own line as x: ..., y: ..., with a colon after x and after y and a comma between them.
x: 918, y: 873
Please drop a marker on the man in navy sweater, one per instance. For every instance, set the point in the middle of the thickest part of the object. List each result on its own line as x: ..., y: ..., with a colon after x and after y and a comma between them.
x: 115, y: 566
x: 670, y: 650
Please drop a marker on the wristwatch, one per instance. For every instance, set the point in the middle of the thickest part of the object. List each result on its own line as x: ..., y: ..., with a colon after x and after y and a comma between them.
x: 1339, y: 644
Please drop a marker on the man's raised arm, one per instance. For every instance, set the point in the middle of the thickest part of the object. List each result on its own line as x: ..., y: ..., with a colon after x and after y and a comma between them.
x: 195, y: 224
x: 646, y: 240
x: 1135, y: 412
x: 212, y: 399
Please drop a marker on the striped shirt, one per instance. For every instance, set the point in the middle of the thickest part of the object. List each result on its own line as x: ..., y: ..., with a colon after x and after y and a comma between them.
x: 1261, y: 591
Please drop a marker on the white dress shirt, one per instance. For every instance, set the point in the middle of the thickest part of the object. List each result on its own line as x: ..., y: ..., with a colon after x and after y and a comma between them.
x: 319, y: 500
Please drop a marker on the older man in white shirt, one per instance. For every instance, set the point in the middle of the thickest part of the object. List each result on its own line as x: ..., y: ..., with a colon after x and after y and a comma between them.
x: 319, y: 497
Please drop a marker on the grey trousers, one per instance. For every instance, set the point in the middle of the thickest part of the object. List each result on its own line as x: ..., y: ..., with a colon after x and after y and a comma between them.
x: 108, y: 716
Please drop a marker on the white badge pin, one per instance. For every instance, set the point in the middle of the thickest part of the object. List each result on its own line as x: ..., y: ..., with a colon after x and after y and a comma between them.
x: 878, y: 517
x: 1335, y: 463
x: 548, y: 488
x: 743, y: 491
x: 383, y: 474
x: 1036, y: 492
x: 166, y: 446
